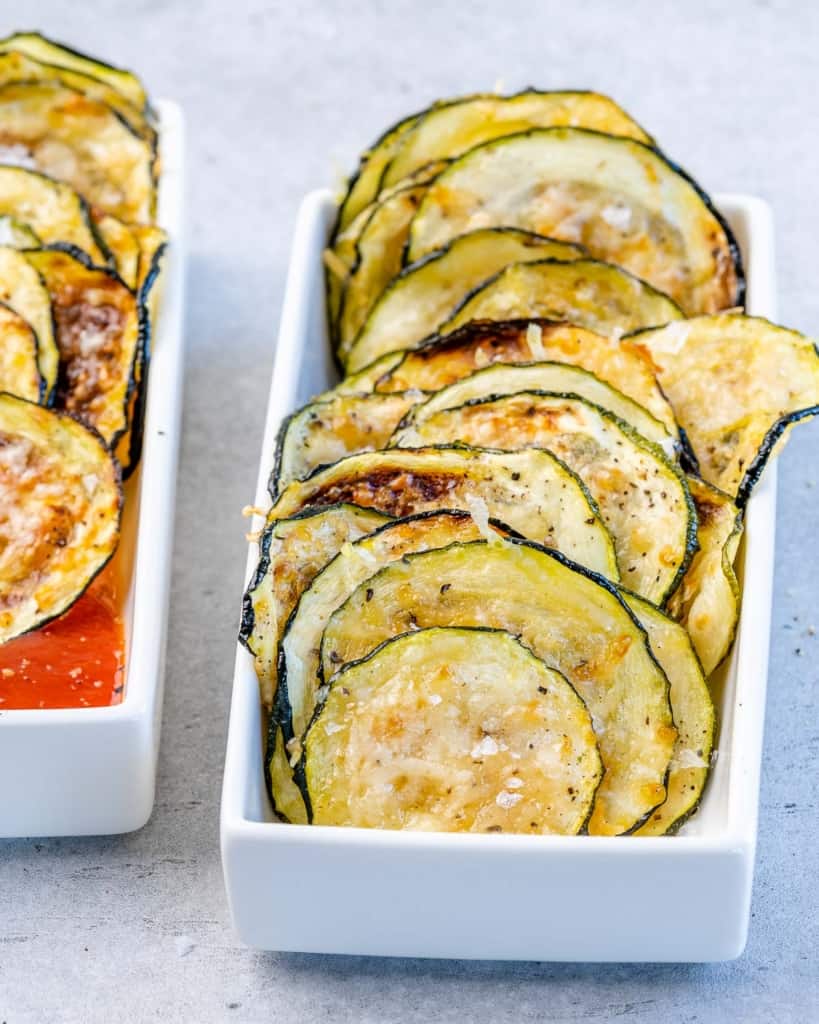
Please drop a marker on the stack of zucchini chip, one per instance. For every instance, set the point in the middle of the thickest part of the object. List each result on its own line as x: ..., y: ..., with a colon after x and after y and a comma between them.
x: 80, y: 254
x: 497, y: 576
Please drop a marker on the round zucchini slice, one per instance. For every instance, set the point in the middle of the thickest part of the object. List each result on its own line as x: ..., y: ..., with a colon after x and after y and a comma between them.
x: 455, y: 128
x: 619, y: 198
x: 597, y: 296
x: 81, y: 141
x: 574, y: 620
x: 642, y: 496
x: 325, y: 431
x: 707, y: 601
x: 100, y: 330
x: 16, y: 234
x: 19, y: 370
x: 531, y: 490
x: 49, y: 208
x: 693, y: 712
x: 61, y: 503
x: 425, y: 294
x: 442, y: 361
x: 23, y: 289
x: 453, y: 730
x: 561, y: 378
x: 737, y: 384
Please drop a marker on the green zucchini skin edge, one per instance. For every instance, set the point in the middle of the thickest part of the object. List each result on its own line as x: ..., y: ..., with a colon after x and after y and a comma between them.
x: 612, y: 588
x: 733, y: 245
x: 300, y: 770
x: 756, y: 467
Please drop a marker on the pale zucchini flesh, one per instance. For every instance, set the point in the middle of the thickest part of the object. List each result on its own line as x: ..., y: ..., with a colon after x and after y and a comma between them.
x: 19, y: 369
x: 573, y: 620
x: 425, y: 294
x: 16, y: 234
x: 23, y: 289
x: 642, y: 496
x: 562, y: 378
x: 597, y: 296
x: 454, y: 128
x: 325, y: 431
x: 619, y: 198
x: 736, y: 383
x: 121, y: 242
x: 531, y: 490
x: 60, y: 502
x: 453, y: 730
x: 365, y: 380
x: 707, y: 601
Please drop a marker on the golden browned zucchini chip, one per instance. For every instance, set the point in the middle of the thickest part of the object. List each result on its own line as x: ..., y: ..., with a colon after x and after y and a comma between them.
x: 531, y: 490
x: 49, y: 208
x: 19, y: 369
x: 707, y: 601
x: 425, y: 294
x: 453, y: 730
x: 75, y: 139
x: 737, y: 384
x: 59, y: 522
x: 453, y: 128
x: 575, y: 621
x: 99, y: 335
x: 619, y: 198
x: 23, y: 289
x: 122, y: 243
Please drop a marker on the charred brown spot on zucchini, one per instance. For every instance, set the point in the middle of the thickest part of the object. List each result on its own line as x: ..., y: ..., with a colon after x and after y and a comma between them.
x: 456, y: 127
x: 561, y: 378
x: 324, y: 432
x: 707, y: 601
x: 531, y: 490
x: 694, y: 717
x: 619, y: 198
x: 441, y: 361
x: 574, y: 620
x: 19, y: 369
x: 642, y: 496
x: 453, y: 730
x: 594, y: 295
x: 60, y: 502
x: 23, y: 289
x: 49, y: 208
x: 99, y: 335
x: 737, y: 383
x: 425, y: 294
x: 73, y: 138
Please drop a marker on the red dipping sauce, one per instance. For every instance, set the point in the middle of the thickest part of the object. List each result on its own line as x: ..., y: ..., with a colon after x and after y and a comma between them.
x: 76, y: 661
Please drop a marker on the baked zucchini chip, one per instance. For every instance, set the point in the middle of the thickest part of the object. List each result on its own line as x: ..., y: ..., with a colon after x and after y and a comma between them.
x: 49, y: 208
x: 574, y: 620
x: 531, y: 490
x: 693, y: 712
x: 19, y: 369
x: 443, y: 360
x: 452, y: 730
x: 597, y: 296
x: 23, y: 289
x: 425, y: 294
x: 16, y: 234
x: 707, y: 601
x: 299, y: 665
x: 737, y: 384
x: 619, y: 198
x: 642, y: 496
x: 99, y: 335
x: 453, y: 128
x: 59, y: 522
x: 561, y: 378
x: 121, y: 242
x: 323, y: 432
x: 36, y: 46
x: 81, y: 141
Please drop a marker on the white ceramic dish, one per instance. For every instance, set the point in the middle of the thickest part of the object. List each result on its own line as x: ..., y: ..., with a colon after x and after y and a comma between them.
x: 91, y: 771
x: 343, y: 890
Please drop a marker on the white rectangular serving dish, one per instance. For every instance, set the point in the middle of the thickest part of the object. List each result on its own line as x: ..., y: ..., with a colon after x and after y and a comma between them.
x: 357, y: 891
x: 89, y: 771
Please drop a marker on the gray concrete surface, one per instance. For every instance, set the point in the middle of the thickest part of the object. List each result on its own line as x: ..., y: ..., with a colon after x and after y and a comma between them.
x: 278, y: 96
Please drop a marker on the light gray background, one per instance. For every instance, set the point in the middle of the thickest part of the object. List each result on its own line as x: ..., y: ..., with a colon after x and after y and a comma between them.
x: 279, y: 97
